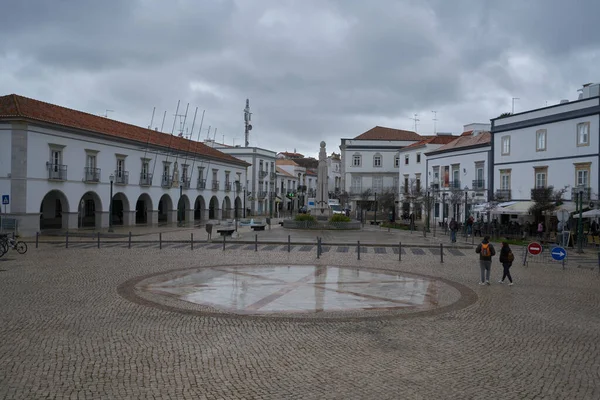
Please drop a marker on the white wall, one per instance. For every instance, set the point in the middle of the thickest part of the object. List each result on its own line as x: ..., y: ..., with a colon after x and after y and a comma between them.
x: 544, y: 112
x: 5, y: 161
x: 466, y: 159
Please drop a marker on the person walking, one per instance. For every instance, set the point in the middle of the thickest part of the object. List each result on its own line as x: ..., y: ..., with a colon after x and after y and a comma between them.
x: 453, y: 227
x: 486, y: 251
x: 506, y: 258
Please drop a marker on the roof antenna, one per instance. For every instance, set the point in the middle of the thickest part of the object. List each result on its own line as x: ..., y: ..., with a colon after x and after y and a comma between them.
x: 416, y: 120
x: 247, y: 120
x: 105, y: 115
x: 434, y: 122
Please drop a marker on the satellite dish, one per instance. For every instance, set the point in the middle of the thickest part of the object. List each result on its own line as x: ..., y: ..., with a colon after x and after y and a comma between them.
x: 249, y: 127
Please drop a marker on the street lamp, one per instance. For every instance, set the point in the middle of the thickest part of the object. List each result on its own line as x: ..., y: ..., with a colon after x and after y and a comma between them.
x: 466, y: 204
x: 580, y: 224
x: 375, y: 208
x: 110, y: 204
x: 180, y: 205
x: 428, y: 210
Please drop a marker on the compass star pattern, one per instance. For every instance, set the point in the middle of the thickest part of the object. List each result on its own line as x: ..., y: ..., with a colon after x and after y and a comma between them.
x: 298, y: 289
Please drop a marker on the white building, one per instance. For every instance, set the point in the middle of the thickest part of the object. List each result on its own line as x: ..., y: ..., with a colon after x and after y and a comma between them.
x: 286, y: 183
x: 552, y: 146
x: 334, y: 175
x: 294, y: 185
x: 413, y: 170
x: 57, y: 165
x: 370, y: 162
x: 259, y: 187
x: 458, y: 174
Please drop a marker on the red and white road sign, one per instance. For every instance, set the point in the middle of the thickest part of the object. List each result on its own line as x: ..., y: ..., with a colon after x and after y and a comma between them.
x: 534, y: 248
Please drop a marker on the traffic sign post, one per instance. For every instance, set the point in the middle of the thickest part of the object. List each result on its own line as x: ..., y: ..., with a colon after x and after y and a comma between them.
x: 559, y: 254
x: 534, y: 248
x: 5, y: 199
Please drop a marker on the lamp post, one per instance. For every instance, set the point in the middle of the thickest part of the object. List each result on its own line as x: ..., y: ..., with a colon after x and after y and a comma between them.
x: 428, y: 210
x: 444, y: 210
x: 375, y: 208
x: 244, y: 205
x: 180, y: 205
x: 466, y: 204
x: 110, y: 204
x: 580, y: 224
x: 235, y: 207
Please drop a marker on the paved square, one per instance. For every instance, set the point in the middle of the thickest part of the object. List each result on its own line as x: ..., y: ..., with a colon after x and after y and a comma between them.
x: 71, y: 327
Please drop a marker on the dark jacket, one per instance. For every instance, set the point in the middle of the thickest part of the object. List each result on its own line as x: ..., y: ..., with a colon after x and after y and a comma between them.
x: 504, y: 255
x: 492, y: 251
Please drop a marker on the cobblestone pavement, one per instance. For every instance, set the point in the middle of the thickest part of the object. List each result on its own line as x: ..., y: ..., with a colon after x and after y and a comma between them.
x: 69, y: 329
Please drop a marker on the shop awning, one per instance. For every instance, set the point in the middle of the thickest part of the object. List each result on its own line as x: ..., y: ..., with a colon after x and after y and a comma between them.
x: 513, y: 208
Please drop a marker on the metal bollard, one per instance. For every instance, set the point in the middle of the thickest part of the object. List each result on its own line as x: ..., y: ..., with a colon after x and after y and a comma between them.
x: 192, y: 241
x: 318, y: 247
x: 399, y: 251
x: 442, y: 253
x: 224, y: 236
x: 160, y: 240
x: 256, y: 242
x: 289, y: 244
x: 67, y: 240
x: 98, y: 239
x: 129, y: 239
x: 37, y: 238
x: 359, y: 249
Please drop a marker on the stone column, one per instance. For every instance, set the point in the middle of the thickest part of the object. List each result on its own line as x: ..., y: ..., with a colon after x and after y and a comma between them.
x: 189, y: 216
x: 128, y: 218
x: 102, y: 219
x: 152, y: 217
x: 172, y: 217
x: 70, y: 221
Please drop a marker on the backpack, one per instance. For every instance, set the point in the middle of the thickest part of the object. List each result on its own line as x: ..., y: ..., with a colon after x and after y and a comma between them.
x: 485, y: 250
x: 510, y: 256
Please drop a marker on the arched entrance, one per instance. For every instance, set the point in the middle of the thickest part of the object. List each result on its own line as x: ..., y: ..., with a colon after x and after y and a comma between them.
x: 226, y: 208
x: 238, y: 212
x: 165, y: 205
x: 120, y: 209
x: 53, y: 210
x: 142, y: 208
x: 90, y: 211
x: 182, y: 206
x: 213, y: 208
x: 199, y: 206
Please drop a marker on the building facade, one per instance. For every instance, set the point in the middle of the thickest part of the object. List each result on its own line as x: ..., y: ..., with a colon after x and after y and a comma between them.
x: 458, y: 175
x: 556, y: 146
x: 334, y: 175
x: 370, y: 163
x: 59, y: 167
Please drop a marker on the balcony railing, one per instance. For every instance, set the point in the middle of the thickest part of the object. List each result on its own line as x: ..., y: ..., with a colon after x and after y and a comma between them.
x: 145, y: 179
x: 478, y: 184
x: 586, y: 192
x: 503, y: 195
x: 228, y: 186
x: 122, y: 178
x: 454, y: 185
x: 238, y: 187
x: 166, y: 181
x: 311, y: 193
x: 57, y: 172
x: 302, y: 188
x: 186, y: 182
x: 261, y: 195
x: 262, y: 174
x: 201, y: 184
x: 215, y: 185
x: 435, y: 186
x: 91, y: 174
x: 273, y: 176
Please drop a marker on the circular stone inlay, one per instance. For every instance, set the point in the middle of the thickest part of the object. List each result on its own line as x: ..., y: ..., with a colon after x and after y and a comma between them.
x: 296, y: 290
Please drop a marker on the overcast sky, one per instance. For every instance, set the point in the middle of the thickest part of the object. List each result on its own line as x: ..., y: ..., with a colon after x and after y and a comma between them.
x: 313, y: 69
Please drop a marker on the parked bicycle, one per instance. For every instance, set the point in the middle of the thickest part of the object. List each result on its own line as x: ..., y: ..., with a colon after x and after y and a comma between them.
x: 7, y: 243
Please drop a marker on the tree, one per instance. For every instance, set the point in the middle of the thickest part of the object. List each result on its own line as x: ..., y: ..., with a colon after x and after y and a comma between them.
x: 456, y: 198
x: 386, y: 200
x: 544, y: 200
x: 504, y: 115
x: 413, y: 193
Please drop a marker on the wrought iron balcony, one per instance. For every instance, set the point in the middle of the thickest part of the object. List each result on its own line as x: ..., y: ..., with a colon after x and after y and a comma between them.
x: 215, y: 185
x: 228, y: 186
x: 122, y: 178
x: 237, y: 186
x: 262, y: 174
x: 261, y: 195
x: 478, y: 184
x: 454, y: 185
x: 185, y: 183
x: 585, y: 191
x: 145, y: 179
x: 273, y: 176
x: 201, y: 184
x: 57, y: 172
x: 166, y: 181
x: 503, y: 195
x: 91, y: 175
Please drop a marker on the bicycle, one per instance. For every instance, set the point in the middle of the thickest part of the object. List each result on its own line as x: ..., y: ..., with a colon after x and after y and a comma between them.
x: 10, y: 243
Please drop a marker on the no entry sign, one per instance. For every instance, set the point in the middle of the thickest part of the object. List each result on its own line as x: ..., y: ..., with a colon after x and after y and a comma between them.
x: 534, y: 248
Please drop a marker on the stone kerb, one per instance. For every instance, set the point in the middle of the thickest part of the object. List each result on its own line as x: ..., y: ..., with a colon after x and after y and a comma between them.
x: 290, y: 224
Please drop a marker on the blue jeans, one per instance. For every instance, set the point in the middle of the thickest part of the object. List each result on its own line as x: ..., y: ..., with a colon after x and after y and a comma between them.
x: 485, y: 267
x: 453, y: 236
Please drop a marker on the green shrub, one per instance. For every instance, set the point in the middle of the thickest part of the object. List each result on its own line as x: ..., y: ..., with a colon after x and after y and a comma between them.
x: 339, y: 218
x: 305, y: 217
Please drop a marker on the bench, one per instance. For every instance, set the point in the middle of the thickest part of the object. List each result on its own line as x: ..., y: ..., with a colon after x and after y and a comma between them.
x: 258, y: 227
x: 226, y: 231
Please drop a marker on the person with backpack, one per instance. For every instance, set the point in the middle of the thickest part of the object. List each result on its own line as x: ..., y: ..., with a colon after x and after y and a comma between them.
x: 506, y: 258
x: 486, y: 251
x: 453, y: 227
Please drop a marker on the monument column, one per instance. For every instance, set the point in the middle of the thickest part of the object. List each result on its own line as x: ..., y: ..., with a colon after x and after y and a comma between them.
x: 322, y: 210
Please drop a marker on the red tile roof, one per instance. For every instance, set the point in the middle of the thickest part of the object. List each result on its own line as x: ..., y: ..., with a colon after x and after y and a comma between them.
x: 291, y: 155
x: 14, y: 107
x: 442, y: 139
x: 482, y: 138
x: 383, y: 133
